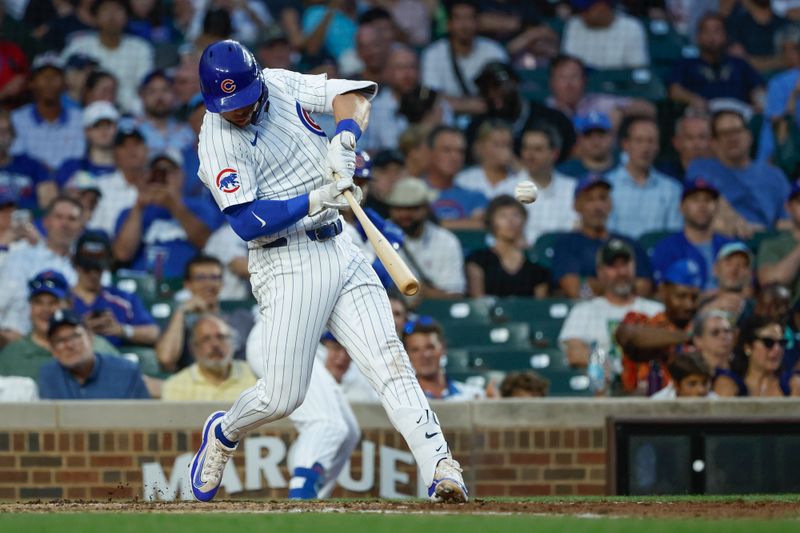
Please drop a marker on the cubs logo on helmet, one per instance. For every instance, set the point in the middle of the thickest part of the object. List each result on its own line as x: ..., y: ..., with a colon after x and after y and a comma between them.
x: 228, y: 180
x: 227, y: 85
x: 308, y: 122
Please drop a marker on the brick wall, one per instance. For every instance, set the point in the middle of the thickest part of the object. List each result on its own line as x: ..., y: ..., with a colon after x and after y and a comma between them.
x: 512, y: 448
x: 107, y: 464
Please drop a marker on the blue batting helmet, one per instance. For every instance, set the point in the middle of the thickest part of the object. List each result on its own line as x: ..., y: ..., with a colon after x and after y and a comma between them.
x: 363, y: 165
x: 230, y: 77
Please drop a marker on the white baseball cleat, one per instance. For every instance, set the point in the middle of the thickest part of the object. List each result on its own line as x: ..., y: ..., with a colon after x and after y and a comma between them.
x: 448, y: 484
x: 209, y: 462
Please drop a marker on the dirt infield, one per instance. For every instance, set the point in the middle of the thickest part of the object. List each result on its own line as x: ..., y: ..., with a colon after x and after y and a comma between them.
x: 645, y: 508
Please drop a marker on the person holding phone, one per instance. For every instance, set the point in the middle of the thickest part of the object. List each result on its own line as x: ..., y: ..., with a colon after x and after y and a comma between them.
x: 119, y: 316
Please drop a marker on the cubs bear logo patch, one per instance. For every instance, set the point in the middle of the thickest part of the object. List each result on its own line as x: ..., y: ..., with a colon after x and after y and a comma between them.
x: 228, y: 180
x: 308, y: 122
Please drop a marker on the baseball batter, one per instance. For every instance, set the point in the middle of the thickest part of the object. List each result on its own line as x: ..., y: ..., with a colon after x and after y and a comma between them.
x: 279, y: 183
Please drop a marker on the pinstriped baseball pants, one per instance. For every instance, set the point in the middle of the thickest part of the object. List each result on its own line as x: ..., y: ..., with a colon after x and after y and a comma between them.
x: 302, y: 290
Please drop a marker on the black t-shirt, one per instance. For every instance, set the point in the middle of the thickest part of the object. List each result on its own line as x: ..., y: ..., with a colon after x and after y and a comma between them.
x: 498, y: 282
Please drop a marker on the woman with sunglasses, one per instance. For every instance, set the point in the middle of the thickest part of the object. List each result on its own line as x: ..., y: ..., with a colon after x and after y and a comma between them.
x: 757, y: 363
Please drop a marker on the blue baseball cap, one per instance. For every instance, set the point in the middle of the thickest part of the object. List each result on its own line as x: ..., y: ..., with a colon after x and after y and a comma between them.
x: 49, y: 282
x: 696, y: 185
x: 589, y: 181
x: 592, y: 121
x: 684, y: 272
x: 737, y: 247
x: 62, y: 317
x: 363, y: 165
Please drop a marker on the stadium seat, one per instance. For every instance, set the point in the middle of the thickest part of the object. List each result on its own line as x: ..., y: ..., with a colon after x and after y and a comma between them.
x: 637, y: 83
x: 755, y: 241
x: 502, y: 358
x: 542, y: 252
x: 472, y: 311
x: 233, y: 305
x: 510, y: 335
x: 145, y: 357
x: 140, y: 283
x: 471, y: 240
x: 544, y: 317
x: 665, y: 47
x: 649, y: 240
x: 534, y: 84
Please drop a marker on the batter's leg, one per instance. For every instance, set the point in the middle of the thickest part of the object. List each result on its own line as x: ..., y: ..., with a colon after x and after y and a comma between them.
x: 296, y: 287
x: 362, y: 322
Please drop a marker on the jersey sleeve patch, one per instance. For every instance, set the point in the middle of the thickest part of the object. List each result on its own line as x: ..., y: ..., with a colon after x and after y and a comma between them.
x: 228, y: 180
x: 308, y: 122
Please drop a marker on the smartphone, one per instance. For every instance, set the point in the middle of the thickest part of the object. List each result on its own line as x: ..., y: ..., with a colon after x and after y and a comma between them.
x: 96, y: 313
x: 20, y: 218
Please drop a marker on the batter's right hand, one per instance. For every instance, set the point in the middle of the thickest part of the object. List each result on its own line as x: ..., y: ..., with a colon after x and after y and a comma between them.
x: 330, y: 196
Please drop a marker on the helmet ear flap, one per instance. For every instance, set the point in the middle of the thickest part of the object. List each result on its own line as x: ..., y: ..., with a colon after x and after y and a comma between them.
x: 263, y: 101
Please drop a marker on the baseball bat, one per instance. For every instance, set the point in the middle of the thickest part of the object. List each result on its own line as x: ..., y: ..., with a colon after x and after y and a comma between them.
x: 398, y: 270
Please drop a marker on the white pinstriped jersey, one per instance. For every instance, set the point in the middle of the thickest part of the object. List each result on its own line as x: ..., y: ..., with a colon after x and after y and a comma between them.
x: 280, y: 157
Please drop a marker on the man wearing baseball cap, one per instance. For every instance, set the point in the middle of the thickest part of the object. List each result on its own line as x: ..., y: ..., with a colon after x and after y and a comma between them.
x: 47, y: 292
x: 117, y: 315
x: 697, y: 240
x: 118, y: 191
x: 431, y: 251
x: 594, y: 149
x: 779, y: 256
x: 575, y: 253
x: 649, y: 343
x: 47, y: 130
x: 734, y: 268
x: 77, y: 372
x: 100, y: 124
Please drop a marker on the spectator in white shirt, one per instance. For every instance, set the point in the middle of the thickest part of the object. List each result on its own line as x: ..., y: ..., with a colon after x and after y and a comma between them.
x: 63, y: 222
x: 604, y: 38
x: 431, y: 251
x: 119, y: 190
x: 553, y: 210
x: 494, y: 149
x: 401, y: 76
x: 592, y: 323
x: 46, y: 130
x: 127, y: 57
x: 451, y: 64
x: 18, y: 389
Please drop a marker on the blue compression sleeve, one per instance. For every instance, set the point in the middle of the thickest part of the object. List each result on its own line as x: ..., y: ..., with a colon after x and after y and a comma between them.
x: 265, y: 217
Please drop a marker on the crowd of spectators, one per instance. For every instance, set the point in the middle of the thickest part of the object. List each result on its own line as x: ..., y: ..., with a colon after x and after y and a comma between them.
x: 671, y: 222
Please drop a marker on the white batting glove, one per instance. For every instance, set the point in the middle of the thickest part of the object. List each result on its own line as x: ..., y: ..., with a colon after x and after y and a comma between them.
x: 341, y: 157
x: 526, y: 192
x: 330, y: 196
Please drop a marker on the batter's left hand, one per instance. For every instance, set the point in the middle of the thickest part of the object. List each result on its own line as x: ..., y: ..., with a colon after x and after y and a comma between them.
x: 341, y: 158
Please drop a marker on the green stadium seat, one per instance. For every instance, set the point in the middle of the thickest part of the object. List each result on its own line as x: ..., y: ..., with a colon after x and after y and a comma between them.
x: 638, y: 83
x: 471, y: 239
x: 544, y: 317
x: 534, y: 84
x: 472, y: 311
x: 505, y: 359
x: 648, y: 241
x: 145, y: 357
x: 234, y: 305
x: 510, y: 335
x: 543, y: 250
x: 140, y: 283
x: 755, y: 241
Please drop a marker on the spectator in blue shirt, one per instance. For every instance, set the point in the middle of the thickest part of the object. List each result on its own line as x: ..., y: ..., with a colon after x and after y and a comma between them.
x: 330, y: 28
x: 575, y: 254
x: 47, y: 130
x: 454, y: 207
x: 117, y: 315
x: 594, y: 149
x: 715, y: 73
x: 754, y: 192
x: 100, y: 124
x: 752, y: 27
x: 19, y: 174
x: 645, y: 200
x: 163, y: 231
x: 697, y: 240
x: 78, y: 373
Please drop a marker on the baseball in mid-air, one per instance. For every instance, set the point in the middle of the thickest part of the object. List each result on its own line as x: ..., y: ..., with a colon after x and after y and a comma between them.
x: 526, y: 192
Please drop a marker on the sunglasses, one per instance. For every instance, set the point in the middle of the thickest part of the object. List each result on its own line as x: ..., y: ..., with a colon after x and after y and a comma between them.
x: 422, y: 320
x: 769, y: 342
